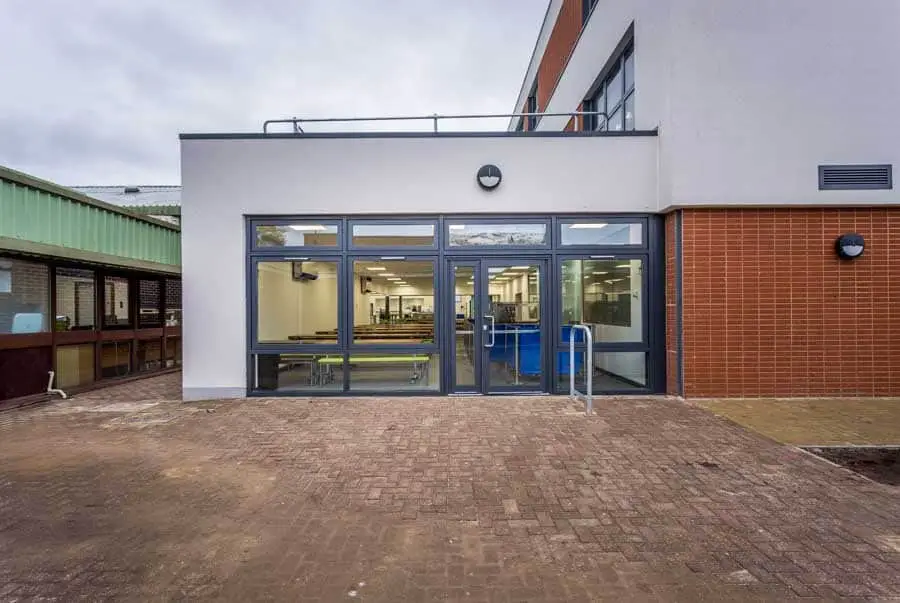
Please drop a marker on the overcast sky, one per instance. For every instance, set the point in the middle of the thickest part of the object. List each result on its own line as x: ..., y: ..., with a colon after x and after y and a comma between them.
x: 97, y: 91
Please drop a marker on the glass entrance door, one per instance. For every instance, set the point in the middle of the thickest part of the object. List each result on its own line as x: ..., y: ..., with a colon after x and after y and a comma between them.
x: 499, y: 326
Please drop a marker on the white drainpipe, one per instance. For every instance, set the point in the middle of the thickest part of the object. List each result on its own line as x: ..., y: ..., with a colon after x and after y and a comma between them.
x: 50, y: 389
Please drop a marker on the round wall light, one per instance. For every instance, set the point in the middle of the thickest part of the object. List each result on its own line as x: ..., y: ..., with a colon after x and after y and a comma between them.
x: 489, y: 177
x: 850, y: 246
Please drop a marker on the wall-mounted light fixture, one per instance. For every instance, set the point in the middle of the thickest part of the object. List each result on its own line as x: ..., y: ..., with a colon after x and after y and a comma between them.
x: 850, y: 246
x: 489, y: 177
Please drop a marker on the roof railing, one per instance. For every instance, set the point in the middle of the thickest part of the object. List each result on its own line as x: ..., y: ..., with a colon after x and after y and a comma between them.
x: 298, y: 122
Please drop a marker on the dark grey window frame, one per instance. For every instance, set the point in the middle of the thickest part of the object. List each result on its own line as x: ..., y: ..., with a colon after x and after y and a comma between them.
x: 529, y: 122
x: 614, y: 66
x: 652, y: 249
x: 253, y: 322
x: 392, y: 347
x: 570, y: 248
x: 252, y: 241
x: 390, y: 221
x: 509, y: 249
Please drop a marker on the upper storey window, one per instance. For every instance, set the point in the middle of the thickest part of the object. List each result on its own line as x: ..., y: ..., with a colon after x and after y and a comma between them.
x: 614, y: 97
x: 531, y: 106
x: 586, y: 7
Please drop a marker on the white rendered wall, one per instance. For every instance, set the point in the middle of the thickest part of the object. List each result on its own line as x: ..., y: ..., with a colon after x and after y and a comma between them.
x: 226, y: 179
x: 763, y: 92
x: 751, y: 97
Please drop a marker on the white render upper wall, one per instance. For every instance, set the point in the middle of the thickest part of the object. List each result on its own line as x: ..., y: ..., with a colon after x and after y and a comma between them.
x: 750, y: 97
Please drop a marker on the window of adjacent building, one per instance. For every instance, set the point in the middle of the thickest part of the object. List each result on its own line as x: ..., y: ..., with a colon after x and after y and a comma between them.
x: 74, y: 365
x: 115, y: 359
x: 297, y: 302
x: 173, y: 302
x: 149, y: 355
x: 75, y: 300
x: 173, y: 352
x: 149, y: 297
x: 614, y: 97
x: 24, y: 297
x: 300, y: 234
x: 116, y: 309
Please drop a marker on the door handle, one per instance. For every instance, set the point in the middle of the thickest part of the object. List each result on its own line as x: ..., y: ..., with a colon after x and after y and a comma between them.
x: 493, y: 331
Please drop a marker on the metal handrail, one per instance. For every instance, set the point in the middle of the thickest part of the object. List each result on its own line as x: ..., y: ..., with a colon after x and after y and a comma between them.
x: 589, y: 368
x: 435, y: 118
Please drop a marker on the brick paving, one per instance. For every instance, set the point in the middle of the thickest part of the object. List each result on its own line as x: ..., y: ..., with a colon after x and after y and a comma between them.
x: 126, y: 494
x: 816, y: 422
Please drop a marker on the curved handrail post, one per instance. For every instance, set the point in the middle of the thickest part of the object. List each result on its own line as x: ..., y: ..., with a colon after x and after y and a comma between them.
x: 589, y: 368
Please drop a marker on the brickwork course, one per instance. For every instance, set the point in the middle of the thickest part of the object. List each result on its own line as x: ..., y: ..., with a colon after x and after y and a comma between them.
x: 127, y: 494
x: 770, y: 311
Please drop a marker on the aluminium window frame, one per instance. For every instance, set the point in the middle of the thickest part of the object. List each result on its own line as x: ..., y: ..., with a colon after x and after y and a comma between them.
x: 615, y: 65
x: 652, y: 246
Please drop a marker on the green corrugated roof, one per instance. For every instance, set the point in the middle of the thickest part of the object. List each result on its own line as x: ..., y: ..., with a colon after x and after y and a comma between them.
x: 37, y: 216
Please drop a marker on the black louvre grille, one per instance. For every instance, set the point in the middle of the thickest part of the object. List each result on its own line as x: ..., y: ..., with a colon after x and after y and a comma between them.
x: 855, y: 177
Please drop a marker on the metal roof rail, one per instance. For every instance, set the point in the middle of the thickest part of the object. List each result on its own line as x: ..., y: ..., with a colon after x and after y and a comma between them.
x: 298, y: 122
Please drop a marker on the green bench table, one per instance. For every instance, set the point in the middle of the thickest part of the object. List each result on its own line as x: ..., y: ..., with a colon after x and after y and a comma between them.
x: 419, y: 362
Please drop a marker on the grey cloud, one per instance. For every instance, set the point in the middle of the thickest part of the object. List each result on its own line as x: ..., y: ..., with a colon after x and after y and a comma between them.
x: 103, y: 87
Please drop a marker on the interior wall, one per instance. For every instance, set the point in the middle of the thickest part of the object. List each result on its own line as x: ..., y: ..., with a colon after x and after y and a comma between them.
x: 279, y: 302
x: 289, y: 307
x: 318, y: 299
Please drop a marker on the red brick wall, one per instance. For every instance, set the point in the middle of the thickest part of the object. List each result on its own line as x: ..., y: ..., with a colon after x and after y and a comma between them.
x: 671, y: 309
x: 769, y: 309
x: 559, y: 46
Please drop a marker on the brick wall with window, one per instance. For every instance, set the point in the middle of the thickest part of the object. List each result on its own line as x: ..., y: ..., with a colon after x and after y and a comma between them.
x: 770, y: 310
x: 24, y: 296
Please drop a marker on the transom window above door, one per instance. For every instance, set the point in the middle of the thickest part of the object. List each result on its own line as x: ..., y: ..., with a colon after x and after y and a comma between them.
x: 373, y: 234
x: 297, y: 234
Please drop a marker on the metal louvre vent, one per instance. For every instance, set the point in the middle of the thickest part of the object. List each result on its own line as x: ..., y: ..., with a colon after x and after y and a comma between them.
x: 855, y: 177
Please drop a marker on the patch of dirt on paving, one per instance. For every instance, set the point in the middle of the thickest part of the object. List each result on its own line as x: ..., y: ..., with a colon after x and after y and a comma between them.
x: 123, y: 516
x: 879, y: 464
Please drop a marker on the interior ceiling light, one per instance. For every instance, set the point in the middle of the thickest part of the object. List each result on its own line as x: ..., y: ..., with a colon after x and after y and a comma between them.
x: 624, y: 266
x: 599, y: 273
x: 376, y: 268
x: 308, y: 227
x: 595, y: 225
x: 521, y: 268
x: 395, y: 278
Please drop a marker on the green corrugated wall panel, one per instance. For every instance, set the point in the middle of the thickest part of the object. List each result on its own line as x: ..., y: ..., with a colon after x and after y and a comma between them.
x: 31, y: 214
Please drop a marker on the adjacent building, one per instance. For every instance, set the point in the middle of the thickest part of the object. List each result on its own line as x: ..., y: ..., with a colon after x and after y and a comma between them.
x: 88, y: 291
x: 709, y: 190
x: 160, y: 202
